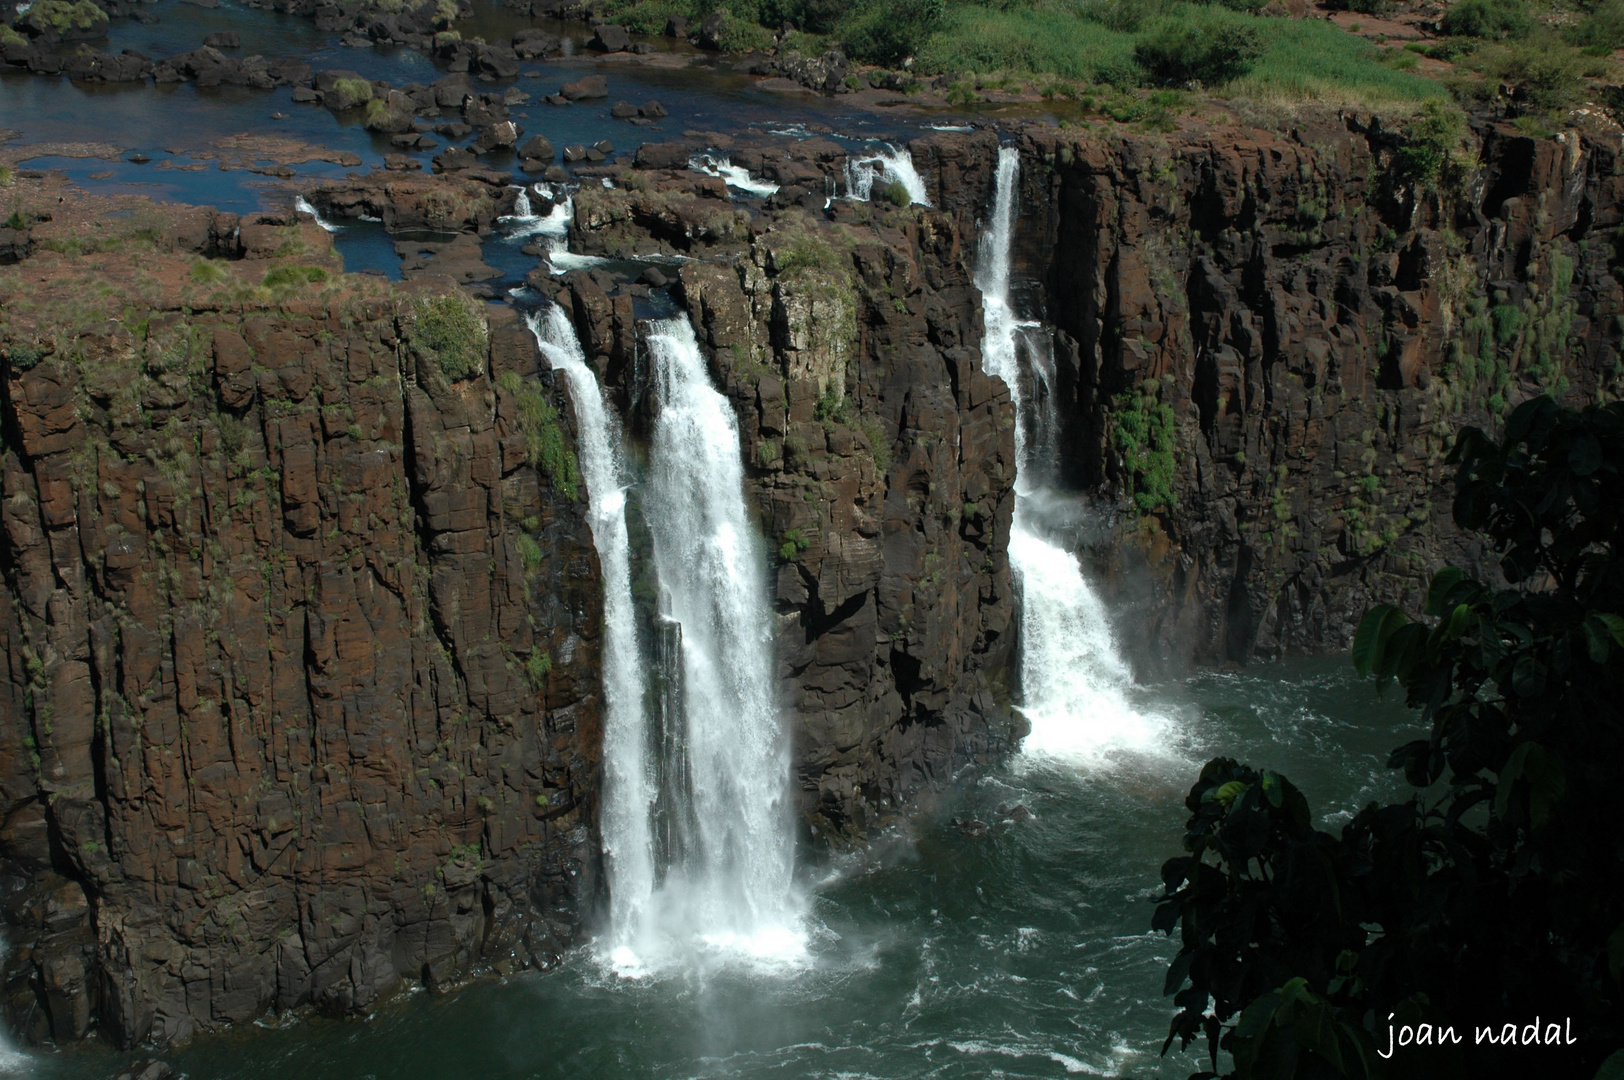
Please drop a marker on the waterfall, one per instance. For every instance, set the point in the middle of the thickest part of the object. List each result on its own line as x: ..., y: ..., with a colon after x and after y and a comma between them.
x: 553, y: 227
x: 736, y: 176
x: 727, y: 883
x: 302, y: 206
x: 893, y: 165
x: 1074, y: 682
x: 628, y: 789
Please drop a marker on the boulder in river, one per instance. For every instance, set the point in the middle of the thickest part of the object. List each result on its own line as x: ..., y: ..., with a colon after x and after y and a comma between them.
x: 623, y: 110
x: 454, y: 158
x: 533, y: 44
x: 503, y: 135
x: 499, y: 62
x: 609, y: 38
x: 652, y: 110
x: 223, y: 39
x: 574, y: 153
x: 536, y: 148
x: 593, y: 86
x: 663, y: 155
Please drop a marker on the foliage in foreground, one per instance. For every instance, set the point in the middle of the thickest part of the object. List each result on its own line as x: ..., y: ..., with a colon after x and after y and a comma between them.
x: 1494, y: 895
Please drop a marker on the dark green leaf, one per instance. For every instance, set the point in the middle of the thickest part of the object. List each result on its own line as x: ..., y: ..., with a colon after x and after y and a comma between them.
x: 1369, y: 641
x: 1443, y: 584
x: 1613, y: 1067
x: 1528, y: 676
x: 1586, y: 456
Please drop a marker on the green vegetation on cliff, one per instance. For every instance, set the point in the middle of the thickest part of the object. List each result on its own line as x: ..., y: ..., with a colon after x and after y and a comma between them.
x: 1495, y: 892
x: 449, y: 330
x: 1146, y: 438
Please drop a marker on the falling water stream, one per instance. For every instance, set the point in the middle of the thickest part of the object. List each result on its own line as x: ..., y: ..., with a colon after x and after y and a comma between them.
x: 627, y: 792
x: 1074, y: 682
x: 730, y: 889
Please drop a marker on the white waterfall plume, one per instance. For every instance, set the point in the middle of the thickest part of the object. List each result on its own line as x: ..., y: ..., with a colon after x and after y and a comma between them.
x: 728, y: 842
x: 628, y: 787
x: 736, y: 176
x: 302, y: 205
x: 1074, y: 682
x: 888, y: 165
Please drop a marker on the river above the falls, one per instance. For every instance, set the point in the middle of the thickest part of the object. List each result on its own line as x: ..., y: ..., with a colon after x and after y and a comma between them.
x: 1023, y: 952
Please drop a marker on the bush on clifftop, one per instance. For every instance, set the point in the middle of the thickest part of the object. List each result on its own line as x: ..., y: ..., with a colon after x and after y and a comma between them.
x: 451, y: 332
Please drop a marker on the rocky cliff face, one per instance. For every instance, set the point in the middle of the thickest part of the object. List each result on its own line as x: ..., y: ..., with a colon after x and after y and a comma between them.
x: 1267, y: 341
x: 300, y: 682
x: 879, y: 457
x: 300, y: 617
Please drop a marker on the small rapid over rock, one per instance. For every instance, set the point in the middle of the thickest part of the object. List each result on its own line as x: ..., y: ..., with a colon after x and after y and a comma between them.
x: 885, y: 165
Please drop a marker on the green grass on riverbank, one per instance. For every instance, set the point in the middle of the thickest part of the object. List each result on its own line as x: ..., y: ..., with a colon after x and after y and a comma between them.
x: 1121, y: 44
x: 1273, y: 58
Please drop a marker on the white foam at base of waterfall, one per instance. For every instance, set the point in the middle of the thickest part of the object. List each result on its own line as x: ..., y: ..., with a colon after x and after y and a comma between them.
x: 890, y: 164
x: 1074, y: 683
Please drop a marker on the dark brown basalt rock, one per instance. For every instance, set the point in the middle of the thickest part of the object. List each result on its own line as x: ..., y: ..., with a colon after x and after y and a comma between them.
x: 1319, y: 329
x: 275, y: 732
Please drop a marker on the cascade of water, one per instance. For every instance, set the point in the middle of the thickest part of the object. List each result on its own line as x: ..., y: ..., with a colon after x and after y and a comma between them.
x: 736, y: 176
x: 302, y: 205
x: 893, y: 165
x: 551, y: 228
x: 728, y: 884
x: 1073, y: 681
x: 629, y: 788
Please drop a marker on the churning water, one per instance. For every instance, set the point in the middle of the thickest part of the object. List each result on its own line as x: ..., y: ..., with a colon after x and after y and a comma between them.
x: 886, y: 164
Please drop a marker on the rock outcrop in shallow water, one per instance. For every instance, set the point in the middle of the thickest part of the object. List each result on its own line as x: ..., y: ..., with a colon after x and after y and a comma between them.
x: 301, y: 688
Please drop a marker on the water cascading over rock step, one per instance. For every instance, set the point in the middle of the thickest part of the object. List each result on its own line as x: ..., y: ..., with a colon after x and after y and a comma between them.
x: 1073, y: 680
x: 732, y: 887
x: 696, y: 830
